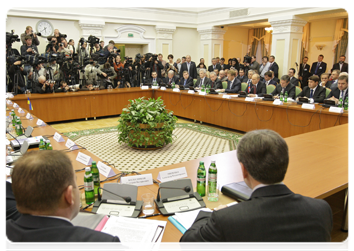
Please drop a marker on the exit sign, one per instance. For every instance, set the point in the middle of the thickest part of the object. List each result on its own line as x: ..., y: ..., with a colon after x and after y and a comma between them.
x: 130, y: 35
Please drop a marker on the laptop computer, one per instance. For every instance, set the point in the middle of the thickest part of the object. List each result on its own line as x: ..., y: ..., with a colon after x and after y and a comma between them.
x: 28, y: 133
x: 15, y: 156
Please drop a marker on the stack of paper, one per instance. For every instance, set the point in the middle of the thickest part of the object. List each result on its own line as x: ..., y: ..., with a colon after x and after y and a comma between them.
x: 183, y: 221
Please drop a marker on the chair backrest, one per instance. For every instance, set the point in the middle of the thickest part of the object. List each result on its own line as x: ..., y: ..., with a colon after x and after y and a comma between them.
x: 298, y: 90
x: 270, y: 89
x: 328, y: 91
x: 243, y: 86
x: 194, y: 81
x: 224, y: 85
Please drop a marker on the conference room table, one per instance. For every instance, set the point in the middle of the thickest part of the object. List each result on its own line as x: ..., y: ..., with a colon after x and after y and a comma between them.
x: 318, y: 166
x: 235, y: 113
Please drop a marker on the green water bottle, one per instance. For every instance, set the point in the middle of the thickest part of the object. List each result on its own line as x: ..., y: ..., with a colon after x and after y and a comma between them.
x: 346, y: 104
x: 89, y: 187
x: 201, y: 177
x: 281, y: 96
x: 213, y: 192
x: 203, y: 88
x: 95, y: 176
x: 173, y: 85
x: 340, y: 103
x: 207, y: 90
x: 42, y: 145
x: 286, y: 97
x: 49, y: 146
x: 13, y: 115
x: 18, y: 126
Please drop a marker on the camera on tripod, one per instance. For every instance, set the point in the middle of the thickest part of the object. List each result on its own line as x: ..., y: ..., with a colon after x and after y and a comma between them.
x: 129, y: 60
x: 11, y: 37
x: 247, y: 59
x: 93, y: 40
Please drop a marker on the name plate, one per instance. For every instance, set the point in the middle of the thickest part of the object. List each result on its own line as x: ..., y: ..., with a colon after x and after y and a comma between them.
x: 105, y: 170
x: 20, y: 110
x: 277, y: 102
x: 84, y: 159
x: 191, y: 91
x: 58, y: 137
x: 9, y: 102
x: 138, y: 180
x: 336, y: 109
x: 71, y: 145
x: 176, y: 90
x: 226, y: 96
x: 15, y: 105
x: 155, y: 87
x: 202, y: 93
x: 9, y: 95
x: 163, y: 88
x: 173, y: 174
x: 249, y: 99
x: 29, y: 116
x: 308, y: 106
x: 145, y: 87
x: 40, y: 122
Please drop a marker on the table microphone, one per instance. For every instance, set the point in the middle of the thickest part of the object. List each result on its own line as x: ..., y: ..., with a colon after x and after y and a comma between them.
x: 127, y: 199
x: 187, y: 189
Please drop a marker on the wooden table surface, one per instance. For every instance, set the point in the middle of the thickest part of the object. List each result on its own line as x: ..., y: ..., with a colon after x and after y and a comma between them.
x: 235, y: 113
x: 318, y: 166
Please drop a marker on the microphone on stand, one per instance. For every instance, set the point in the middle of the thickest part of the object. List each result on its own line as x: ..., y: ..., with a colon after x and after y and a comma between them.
x: 127, y: 199
x: 187, y: 189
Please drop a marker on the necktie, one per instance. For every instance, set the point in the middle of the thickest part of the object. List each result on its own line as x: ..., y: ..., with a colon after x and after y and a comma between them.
x: 340, y: 67
x: 270, y: 66
x: 341, y: 95
x: 170, y: 81
x: 185, y: 81
x: 154, y: 79
x: 188, y: 67
x: 311, y: 93
x: 254, y: 89
x: 282, y: 91
x: 212, y: 85
x: 214, y: 67
x: 201, y: 82
x: 318, y: 64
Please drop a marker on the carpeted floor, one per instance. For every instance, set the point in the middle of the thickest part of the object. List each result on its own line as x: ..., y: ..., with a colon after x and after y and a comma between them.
x: 192, y: 141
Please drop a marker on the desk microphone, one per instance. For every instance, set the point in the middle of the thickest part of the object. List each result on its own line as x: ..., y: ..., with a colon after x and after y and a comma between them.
x: 187, y: 189
x: 127, y: 199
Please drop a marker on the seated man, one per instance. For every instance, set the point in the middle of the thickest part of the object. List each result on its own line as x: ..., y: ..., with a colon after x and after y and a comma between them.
x: 217, y: 72
x: 313, y: 91
x: 284, y: 86
x: 293, y: 80
x: 334, y: 82
x: 242, y: 76
x: 258, y: 88
x: 47, y: 209
x: 171, y: 78
x: 43, y: 86
x: 268, y: 77
x: 273, y: 213
x: 215, y: 83
x: 341, y: 91
x: 324, y: 80
x: 154, y: 79
x: 186, y: 81
x: 202, y: 80
x: 222, y: 76
x: 248, y: 79
x: 233, y: 84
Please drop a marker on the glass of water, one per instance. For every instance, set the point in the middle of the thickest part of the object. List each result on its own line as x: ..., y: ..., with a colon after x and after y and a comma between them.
x: 148, y: 203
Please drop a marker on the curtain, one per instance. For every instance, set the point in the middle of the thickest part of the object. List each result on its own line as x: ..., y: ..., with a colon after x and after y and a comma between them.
x: 250, y: 40
x: 259, y: 35
x: 267, y: 43
x: 338, y: 33
x: 306, y: 37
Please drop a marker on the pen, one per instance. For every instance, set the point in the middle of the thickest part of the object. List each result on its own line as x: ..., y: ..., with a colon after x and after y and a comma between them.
x: 89, y: 205
x: 151, y: 215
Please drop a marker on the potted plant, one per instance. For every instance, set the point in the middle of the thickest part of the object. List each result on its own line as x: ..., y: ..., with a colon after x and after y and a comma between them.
x: 145, y: 124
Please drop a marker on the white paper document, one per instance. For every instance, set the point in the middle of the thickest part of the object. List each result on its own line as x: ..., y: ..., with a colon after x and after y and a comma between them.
x: 134, y: 230
x: 186, y: 219
x: 181, y: 205
x: 116, y: 210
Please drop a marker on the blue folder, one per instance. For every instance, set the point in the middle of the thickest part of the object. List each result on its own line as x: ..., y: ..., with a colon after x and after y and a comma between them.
x: 177, y: 224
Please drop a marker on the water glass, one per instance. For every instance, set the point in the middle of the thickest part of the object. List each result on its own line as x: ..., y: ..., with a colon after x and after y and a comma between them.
x: 148, y: 203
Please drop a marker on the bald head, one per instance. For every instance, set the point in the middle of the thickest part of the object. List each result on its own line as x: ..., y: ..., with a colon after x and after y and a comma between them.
x: 41, y: 79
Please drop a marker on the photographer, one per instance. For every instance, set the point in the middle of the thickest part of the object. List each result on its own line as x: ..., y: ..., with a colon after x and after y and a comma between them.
x: 36, y: 71
x: 108, y: 73
x: 155, y: 65
x: 63, y: 47
x: 43, y: 86
x: 52, y: 46
x: 29, y: 32
x: 91, y: 71
x: 16, y: 74
x: 53, y: 71
x: 88, y: 86
x: 28, y: 48
x: 63, y: 87
x: 118, y: 66
x: 71, y: 46
x: 82, y: 51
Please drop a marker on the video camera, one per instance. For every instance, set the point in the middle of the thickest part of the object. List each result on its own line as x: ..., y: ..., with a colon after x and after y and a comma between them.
x: 109, y: 72
x: 93, y: 40
x: 11, y: 37
x: 247, y: 59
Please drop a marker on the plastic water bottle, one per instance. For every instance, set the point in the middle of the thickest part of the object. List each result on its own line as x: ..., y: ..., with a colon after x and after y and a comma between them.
x: 340, y: 103
x: 89, y: 187
x: 201, y: 177
x: 213, y: 192
x: 346, y: 104
x: 286, y: 97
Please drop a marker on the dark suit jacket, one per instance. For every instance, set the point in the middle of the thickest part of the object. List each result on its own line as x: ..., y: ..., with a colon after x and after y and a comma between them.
x: 274, y: 68
x: 216, y: 85
x: 272, y: 82
x: 336, y: 94
x: 344, y: 67
x: 321, y: 69
x: 167, y: 80
x: 261, y: 89
x: 158, y: 67
x: 192, y: 69
x: 294, y: 81
x: 11, y: 210
x: 30, y: 228
x: 318, y: 96
x: 242, y: 79
x: 206, y: 82
x: 235, y: 88
x: 305, y: 74
x: 224, y: 67
x: 254, y: 66
x: 37, y: 88
x: 158, y: 80
x: 272, y: 214
x: 290, y: 88
x: 211, y: 68
x: 188, y: 83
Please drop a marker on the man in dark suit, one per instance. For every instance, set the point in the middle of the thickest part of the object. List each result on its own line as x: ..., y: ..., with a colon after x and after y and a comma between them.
x: 273, y: 213
x: 241, y: 76
x: 313, y: 91
x: 48, y: 203
x: 258, y: 88
x: 222, y: 76
x: 202, y: 80
x: 154, y: 79
x: 224, y: 66
x: 233, y: 83
x: 319, y: 67
x: 186, y: 81
x: 293, y: 80
x: 190, y: 67
x: 268, y: 79
x: 334, y: 82
x: 341, y: 91
x: 341, y: 65
x: 274, y: 67
x: 11, y: 210
x: 284, y: 86
x: 248, y: 80
x: 215, y: 83
x: 304, y: 72
x: 171, y: 78
x: 214, y: 66
x: 254, y: 64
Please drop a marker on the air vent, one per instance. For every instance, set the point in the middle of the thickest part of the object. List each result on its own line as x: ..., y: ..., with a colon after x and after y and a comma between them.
x: 239, y: 13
